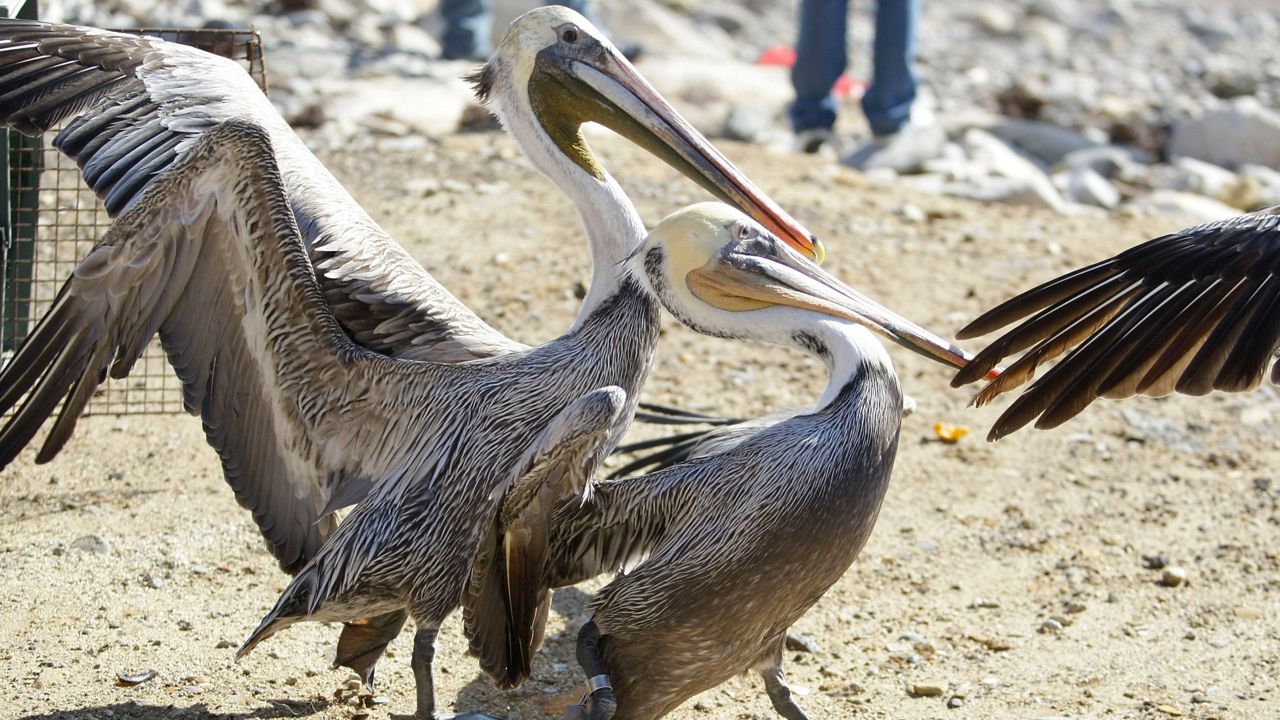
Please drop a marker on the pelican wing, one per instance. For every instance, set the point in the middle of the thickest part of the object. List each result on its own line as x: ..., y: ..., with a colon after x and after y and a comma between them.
x: 209, y: 257
x: 1194, y: 311
x: 665, y: 452
x: 506, y: 601
x: 135, y: 105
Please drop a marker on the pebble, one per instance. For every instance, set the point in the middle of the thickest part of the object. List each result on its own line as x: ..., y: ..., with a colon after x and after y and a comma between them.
x: 799, y: 642
x: 1074, y: 607
x: 1050, y: 627
x: 91, y: 544
x: 1173, y: 577
x: 929, y: 688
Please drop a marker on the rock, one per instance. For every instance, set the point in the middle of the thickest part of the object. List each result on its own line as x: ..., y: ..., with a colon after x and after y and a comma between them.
x: 1074, y: 607
x: 1050, y: 627
x: 747, y: 122
x: 1107, y: 160
x: 1000, y: 174
x: 995, y: 19
x: 1087, y: 186
x: 1046, y: 142
x: 1187, y: 174
x: 413, y: 39
x: 911, y: 213
x: 1173, y: 577
x: 1256, y: 187
x: 1235, y: 133
x: 797, y: 642
x: 1051, y: 37
x: 930, y: 688
x: 955, y: 702
x: 91, y: 544
x: 1194, y: 208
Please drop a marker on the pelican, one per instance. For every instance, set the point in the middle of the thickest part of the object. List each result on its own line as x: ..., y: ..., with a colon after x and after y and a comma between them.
x: 1189, y: 312
x: 138, y: 107
x: 738, y: 544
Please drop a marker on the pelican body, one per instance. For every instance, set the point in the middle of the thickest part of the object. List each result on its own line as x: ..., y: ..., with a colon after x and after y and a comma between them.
x: 326, y: 365
x: 737, y: 545
x: 1190, y: 312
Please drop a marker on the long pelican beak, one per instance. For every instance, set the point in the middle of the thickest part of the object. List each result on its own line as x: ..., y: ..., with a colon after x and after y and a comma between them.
x: 738, y: 280
x: 603, y: 87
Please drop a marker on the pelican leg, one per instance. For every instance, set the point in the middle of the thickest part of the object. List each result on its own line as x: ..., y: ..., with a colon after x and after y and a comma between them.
x: 775, y: 683
x: 601, y: 705
x: 424, y: 652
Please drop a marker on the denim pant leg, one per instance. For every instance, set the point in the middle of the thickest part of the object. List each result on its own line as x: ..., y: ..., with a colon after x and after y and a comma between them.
x: 887, y: 102
x: 467, y: 25
x: 821, y: 56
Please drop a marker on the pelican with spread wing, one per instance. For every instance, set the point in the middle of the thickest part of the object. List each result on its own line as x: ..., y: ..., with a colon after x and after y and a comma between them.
x: 325, y: 364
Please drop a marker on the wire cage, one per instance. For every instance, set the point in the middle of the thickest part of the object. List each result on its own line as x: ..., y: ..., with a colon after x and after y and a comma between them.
x: 54, y: 220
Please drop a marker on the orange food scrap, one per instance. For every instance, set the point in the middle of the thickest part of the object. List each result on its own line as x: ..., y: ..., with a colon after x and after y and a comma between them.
x: 950, y: 434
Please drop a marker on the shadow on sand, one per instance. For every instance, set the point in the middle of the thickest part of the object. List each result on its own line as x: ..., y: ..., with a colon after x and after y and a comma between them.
x: 136, y: 711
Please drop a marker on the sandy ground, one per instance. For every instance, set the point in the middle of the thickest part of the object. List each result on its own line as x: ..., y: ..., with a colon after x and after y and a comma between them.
x: 978, y: 545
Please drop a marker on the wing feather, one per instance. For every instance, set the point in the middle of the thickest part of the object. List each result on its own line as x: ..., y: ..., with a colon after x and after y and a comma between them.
x: 1199, y: 311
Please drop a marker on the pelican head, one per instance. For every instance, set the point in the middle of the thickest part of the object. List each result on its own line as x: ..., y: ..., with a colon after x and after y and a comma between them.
x: 554, y: 71
x: 723, y: 274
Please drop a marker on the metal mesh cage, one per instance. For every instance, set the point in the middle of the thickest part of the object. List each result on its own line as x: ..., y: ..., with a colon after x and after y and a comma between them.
x: 55, y: 220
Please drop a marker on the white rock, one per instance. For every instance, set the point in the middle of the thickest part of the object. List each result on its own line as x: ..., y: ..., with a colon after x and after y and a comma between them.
x: 1268, y: 182
x: 1187, y: 174
x: 995, y: 19
x: 1087, y: 186
x: 1022, y: 180
x: 1107, y: 160
x: 1235, y: 133
x: 413, y: 39
x: 1049, y: 143
x: 1195, y: 208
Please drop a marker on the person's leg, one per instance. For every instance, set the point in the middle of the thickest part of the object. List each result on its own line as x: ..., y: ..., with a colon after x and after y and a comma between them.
x: 887, y: 102
x: 467, y: 25
x: 820, y: 59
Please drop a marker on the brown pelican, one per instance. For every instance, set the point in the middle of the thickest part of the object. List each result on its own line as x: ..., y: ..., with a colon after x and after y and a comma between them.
x: 737, y: 545
x: 1189, y: 312
x: 202, y: 171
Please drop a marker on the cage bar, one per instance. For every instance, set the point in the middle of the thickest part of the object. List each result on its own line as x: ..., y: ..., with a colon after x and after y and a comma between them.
x: 50, y: 220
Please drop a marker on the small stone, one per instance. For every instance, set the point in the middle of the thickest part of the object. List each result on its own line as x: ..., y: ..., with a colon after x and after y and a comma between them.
x: 1073, y: 607
x: 912, y: 213
x: 1050, y: 627
x: 1169, y: 710
x: 90, y: 544
x: 1154, y: 562
x: 1173, y: 577
x: 797, y: 642
x: 955, y: 702
x: 291, y: 680
x: 224, y: 644
x: 931, y: 688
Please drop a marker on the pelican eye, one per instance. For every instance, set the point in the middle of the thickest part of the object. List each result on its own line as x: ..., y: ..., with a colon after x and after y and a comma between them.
x: 569, y: 34
x: 744, y: 231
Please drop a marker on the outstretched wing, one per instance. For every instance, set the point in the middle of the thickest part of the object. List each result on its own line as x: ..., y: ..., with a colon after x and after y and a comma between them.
x: 1194, y: 311
x: 209, y: 257
x: 135, y: 105
x: 506, y: 601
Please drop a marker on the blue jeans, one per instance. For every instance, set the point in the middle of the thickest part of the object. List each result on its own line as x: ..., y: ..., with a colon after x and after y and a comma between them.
x: 467, y: 25
x: 821, y: 56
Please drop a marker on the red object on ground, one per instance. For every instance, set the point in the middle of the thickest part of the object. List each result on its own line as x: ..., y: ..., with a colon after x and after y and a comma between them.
x: 783, y: 56
x: 777, y: 55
